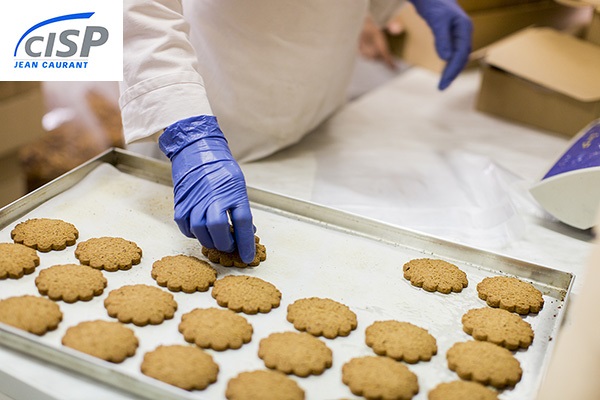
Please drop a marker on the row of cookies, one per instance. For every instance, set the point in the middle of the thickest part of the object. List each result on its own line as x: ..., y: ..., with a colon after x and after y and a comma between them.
x: 167, y: 276
x: 138, y: 304
x: 497, y: 329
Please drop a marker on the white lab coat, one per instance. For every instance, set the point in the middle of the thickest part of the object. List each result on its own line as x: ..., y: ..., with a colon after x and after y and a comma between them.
x: 269, y: 70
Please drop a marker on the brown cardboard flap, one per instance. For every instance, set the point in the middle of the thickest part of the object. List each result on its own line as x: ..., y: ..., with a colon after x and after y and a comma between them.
x: 477, y: 5
x: 551, y: 59
x: 579, y: 3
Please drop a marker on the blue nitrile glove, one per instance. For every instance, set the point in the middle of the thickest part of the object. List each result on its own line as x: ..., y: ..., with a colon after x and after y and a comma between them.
x: 209, y: 186
x: 452, y: 29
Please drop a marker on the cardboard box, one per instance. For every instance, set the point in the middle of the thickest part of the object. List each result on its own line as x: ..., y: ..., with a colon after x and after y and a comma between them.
x: 416, y: 44
x: 544, y: 78
x: 22, y: 108
x: 20, y: 115
x: 478, y: 5
x: 593, y: 30
x: 13, y: 183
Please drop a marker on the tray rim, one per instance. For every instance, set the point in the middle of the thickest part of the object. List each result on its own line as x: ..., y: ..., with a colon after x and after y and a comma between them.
x: 557, y: 284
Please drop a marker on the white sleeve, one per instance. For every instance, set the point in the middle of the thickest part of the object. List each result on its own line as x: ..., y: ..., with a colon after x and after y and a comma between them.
x: 161, y: 83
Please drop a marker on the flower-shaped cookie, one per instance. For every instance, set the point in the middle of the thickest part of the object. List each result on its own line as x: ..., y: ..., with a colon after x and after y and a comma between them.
x: 247, y: 294
x: 215, y: 328
x: 108, y: 253
x: 401, y: 341
x: 511, y: 294
x: 17, y: 260
x: 233, y: 259
x: 45, y: 234
x: 183, y: 273
x: 70, y: 282
x: 435, y: 275
x: 376, y: 377
x: 34, y: 314
x: 498, y: 326
x: 187, y: 367
x: 140, y: 304
x: 108, y: 340
x: 484, y: 362
x: 321, y: 316
x: 297, y: 353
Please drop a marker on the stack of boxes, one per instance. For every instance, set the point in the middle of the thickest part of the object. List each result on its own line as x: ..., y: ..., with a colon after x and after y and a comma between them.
x: 544, y: 78
x: 492, y: 21
x: 540, y: 59
x: 21, y: 111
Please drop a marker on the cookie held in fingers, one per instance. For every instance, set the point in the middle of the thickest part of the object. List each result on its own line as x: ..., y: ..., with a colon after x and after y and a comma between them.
x: 45, y: 234
x: 183, y: 273
x: 233, y: 259
x: 140, y: 304
x: 435, y: 275
x: 17, y: 260
x: 401, y: 341
x: 70, y: 282
x: 247, y: 294
x: 322, y: 317
x: 33, y: 314
x: 107, y: 340
x: 297, y: 353
x: 264, y: 385
x: 108, y: 253
x: 215, y: 328
x: 461, y: 390
x: 376, y: 377
x: 511, y: 294
x: 484, y: 362
x: 498, y: 326
x: 187, y: 367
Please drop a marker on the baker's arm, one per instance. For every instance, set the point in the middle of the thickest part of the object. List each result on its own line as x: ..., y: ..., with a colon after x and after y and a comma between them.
x: 161, y: 83
x: 163, y: 95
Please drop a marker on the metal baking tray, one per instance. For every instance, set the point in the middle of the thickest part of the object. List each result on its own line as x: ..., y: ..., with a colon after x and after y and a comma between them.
x: 311, y: 251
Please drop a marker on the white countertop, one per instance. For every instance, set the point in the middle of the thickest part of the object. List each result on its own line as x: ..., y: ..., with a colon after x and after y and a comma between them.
x: 405, y: 154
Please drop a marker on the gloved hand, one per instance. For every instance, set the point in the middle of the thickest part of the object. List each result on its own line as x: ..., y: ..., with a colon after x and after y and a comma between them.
x: 209, y: 186
x: 452, y: 29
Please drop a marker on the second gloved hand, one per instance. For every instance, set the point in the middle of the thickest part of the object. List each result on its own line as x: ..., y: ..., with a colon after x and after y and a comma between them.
x: 209, y: 186
x: 452, y: 29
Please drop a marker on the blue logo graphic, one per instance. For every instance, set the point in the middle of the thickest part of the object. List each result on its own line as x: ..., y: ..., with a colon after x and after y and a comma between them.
x: 36, y: 47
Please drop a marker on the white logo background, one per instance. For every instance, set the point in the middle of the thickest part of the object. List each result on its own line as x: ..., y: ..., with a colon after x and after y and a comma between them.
x: 104, y: 62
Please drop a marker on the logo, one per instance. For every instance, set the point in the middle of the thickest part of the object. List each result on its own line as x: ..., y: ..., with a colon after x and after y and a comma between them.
x: 59, y: 41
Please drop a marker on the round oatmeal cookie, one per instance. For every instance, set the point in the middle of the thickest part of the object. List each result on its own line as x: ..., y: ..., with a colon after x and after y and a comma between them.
x: 322, y: 317
x: 183, y: 273
x: 484, y: 362
x: 17, y: 260
x: 233, y: 259
x: 70, y: 282
x: 107, y: 340
x: 511, y: 294
x: 376, y: 377
x: 187, y: 367
x: 297, y: 353
x: 215, y: 328
x: 33, y: 314
x: 140, y: 304
x: 498, y: 326
x: 401, y: 341
x: 247, y: 294
x: 108, y: 253
x: 263, y: 385
x: 461, y: 390
x: 435, y: 275
x: 45, y: 234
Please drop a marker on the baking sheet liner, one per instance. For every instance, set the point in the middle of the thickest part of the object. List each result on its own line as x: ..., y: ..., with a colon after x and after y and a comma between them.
x: 311, y: 251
